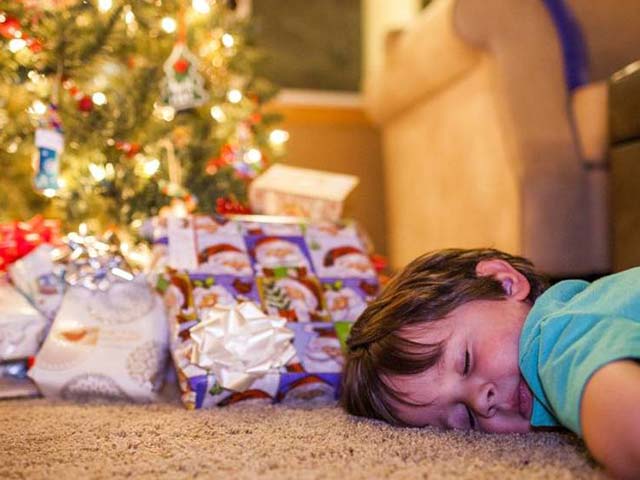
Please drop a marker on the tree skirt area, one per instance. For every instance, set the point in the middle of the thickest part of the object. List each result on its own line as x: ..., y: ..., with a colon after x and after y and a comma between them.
x: 44, y: 439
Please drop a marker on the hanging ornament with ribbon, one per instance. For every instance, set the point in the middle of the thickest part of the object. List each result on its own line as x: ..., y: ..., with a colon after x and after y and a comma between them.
x: 49, y: 143
x: 183, y: 87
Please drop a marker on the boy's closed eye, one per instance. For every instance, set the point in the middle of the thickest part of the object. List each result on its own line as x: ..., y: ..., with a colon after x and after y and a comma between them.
x: 465, y: 372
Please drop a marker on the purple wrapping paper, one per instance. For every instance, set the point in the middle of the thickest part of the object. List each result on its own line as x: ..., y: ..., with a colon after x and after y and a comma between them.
x: 313, y: 275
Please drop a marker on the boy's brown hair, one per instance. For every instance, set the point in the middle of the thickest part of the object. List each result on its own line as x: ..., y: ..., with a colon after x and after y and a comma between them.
x: 427, y: 289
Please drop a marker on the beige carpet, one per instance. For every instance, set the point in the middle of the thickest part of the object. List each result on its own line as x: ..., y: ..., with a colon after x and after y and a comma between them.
x: 41, y: 439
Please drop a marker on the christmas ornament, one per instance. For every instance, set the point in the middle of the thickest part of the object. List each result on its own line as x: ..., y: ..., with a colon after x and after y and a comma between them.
x: 183, y: 86
x: 230, y: 206
x: 85, y: 104
x: 49, y: 144
x: 129, y: 149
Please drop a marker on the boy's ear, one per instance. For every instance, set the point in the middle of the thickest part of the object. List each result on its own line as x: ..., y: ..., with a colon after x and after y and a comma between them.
x: 514, y: 283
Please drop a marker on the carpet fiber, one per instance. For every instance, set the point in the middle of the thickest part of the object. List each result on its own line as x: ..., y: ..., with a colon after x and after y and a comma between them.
x: 43, y: 439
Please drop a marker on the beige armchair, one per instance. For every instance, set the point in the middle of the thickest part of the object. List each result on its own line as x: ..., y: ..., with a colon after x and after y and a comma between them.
x: 483, y: 143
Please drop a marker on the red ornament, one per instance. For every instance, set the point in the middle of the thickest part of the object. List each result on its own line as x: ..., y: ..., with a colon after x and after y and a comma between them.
x: 9, y: 27
x: 181, y: 66
x: 379, y: 262
x: 214, y: 164
x: 255, y: 118
x: 85, y: 104
x: 129, y: 149
x: 35, y: 45
x: 225, y: 206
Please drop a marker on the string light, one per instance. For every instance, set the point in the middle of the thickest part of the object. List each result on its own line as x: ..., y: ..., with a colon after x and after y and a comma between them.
x: 218, y: 114
x: 228, y: 40
x: 201, y: 6
x: 168, y: 113
x: 99, y: 98
x: 278, y: 137
x: 168, y: 24
x: 105, y: 5
x: 164, y: 112
x: 253, y: 155
x: 129, y: 17
x: 234, y: 95
x: 38, y: 108
x: 98, y: 172
x: 49, y: 192
x: 150, y: 167
x: 16, y: 44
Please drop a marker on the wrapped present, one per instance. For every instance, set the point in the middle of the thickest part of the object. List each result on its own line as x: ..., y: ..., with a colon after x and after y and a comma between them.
x: 108, y: 340
x: 302, y: 192
x: 17, y: 239
x: 78, y: 259
x: 261, y: 276
x: 302, y: 271
x: 22, y: 327
x: 105, y: 344
x: 37, y: 277
x: 237, y: 353
x: 14, y: 382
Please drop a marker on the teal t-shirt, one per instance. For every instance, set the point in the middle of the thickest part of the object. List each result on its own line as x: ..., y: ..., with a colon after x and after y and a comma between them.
x: 573, y: 329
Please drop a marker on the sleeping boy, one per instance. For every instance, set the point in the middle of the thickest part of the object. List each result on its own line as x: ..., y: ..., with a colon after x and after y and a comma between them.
x: 474, y: 339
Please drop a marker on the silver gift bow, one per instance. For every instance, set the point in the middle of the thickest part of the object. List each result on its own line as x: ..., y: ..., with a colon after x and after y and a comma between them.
x: 241, y: 344
x: 92, y: 262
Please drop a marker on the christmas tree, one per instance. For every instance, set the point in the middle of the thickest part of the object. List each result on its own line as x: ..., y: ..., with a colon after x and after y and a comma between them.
x: 111, y: 110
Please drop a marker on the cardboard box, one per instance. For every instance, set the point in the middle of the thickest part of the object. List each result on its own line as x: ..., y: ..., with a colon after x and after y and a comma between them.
x: 301, y: 192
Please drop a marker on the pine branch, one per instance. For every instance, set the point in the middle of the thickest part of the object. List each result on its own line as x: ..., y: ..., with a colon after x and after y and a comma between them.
x: 101, y: 37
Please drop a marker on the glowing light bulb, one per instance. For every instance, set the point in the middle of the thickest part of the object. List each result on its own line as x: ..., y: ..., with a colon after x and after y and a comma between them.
x: 234, y: 95
x: 38, y: 108
x: 99, y: 98
x: 97, y: 172
x: 253, y: 155
x: 16, y: 44
x: 129, y: 17
x: 150, y: 167
x: 218, y: 114
x: 105, y: 5
x: 49, y: 192
x: 278, y: 136
x: 228, y: 40
x: 168, y: 113
x: 201, y: 6
x: 179, y: 209
x: 168, y: 24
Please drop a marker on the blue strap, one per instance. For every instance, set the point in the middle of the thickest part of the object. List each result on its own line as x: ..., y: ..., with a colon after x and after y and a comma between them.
x: 573, y: 45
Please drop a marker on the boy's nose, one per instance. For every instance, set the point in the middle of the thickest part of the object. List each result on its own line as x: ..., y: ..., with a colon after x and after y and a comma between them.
x: 484, y: 399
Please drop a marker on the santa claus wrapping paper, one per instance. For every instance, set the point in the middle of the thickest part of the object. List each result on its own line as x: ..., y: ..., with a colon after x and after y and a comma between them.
x: 256, y: 306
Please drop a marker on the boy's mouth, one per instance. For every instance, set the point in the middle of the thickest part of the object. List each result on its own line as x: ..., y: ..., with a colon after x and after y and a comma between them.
x: 525, y: 399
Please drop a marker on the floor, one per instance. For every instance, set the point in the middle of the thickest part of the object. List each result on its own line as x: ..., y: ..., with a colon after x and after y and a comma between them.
x: 43, y: 439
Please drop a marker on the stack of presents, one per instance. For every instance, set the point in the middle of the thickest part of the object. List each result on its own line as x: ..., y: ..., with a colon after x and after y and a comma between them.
x: 237, y: 307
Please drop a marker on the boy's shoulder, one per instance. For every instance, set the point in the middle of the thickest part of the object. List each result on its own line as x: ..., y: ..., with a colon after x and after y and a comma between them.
x: 605, y: 293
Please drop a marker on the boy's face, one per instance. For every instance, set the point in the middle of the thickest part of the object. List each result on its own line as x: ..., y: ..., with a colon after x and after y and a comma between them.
x: 477, y: 382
